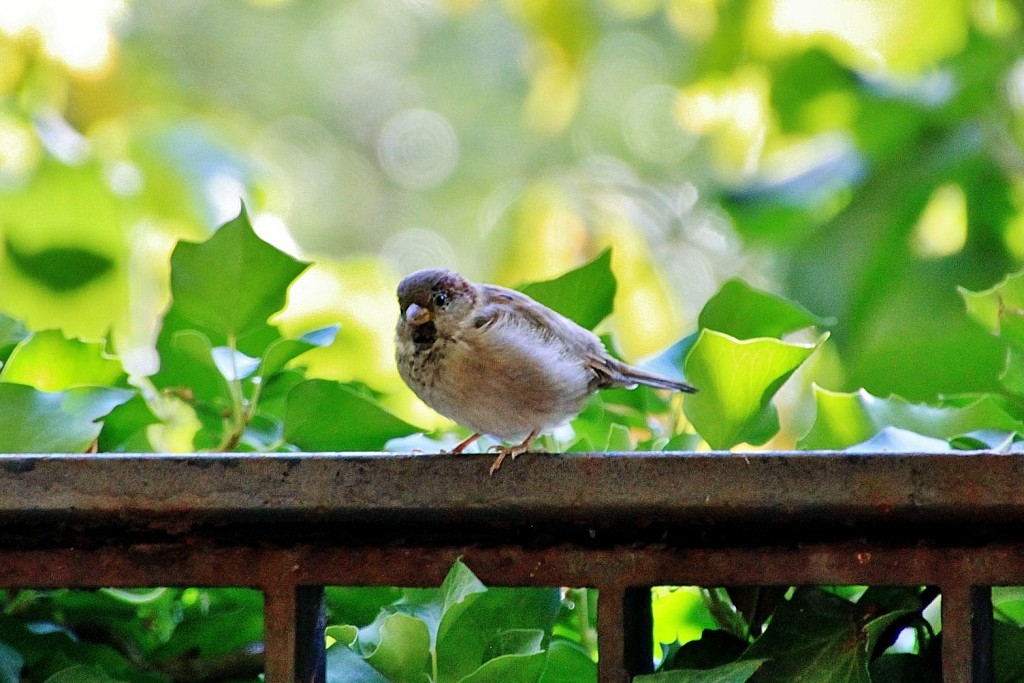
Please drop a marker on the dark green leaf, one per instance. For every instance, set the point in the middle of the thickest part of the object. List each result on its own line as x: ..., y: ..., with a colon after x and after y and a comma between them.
x: 60, y: 269
x: 509, y: 669
x: 736, y: 672
x: 82, y: 674
x: 124, y: 429
x: 743, y: 312
x: 282, y: 351
x: 584, y: 295
x: 715, y: 648
x: 1008, y: 652
x: 322, y: 415
x: 818, y: 636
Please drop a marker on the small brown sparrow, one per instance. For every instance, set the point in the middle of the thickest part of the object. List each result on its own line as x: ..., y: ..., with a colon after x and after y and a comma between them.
x: 499, y: 363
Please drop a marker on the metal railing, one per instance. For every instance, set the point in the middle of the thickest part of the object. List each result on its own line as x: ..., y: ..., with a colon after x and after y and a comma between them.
x: 621, y: 523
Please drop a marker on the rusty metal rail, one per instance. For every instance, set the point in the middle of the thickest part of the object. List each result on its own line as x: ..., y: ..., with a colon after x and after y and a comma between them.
x: 619, y: 522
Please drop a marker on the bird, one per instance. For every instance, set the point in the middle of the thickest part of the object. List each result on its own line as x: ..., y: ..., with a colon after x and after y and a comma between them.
x: 500, y: 363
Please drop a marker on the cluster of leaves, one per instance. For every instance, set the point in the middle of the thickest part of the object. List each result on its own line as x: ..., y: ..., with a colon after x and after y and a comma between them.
x: 850, y: 635
x: 461, y: 632
x: 131, y: 636
x: 220, y: 360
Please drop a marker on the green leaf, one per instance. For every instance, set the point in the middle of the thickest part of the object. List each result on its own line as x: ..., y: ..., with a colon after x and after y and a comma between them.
x: 11, y: 663
x: 509, y: 669
x: 12, y: 331
x: 49, y: 361
x: 991, y: 307
x: 743, y: 312
x: 346, y: 666
x: 1008, y: 651
x: 323, y: 415
x: 82, y: 674
x: 34, y: 421
x: 584, y: 295
x: 736, y: 672
x: 818, y: 636
x: 737, y: 380
x: 568, y: 663
x: 403, y: 652
x: 280, y: 352
x: 844, y: 420
x: 124, y: 429
x: 233, y: 282
x: 60, y: 269
x: 516, y: 641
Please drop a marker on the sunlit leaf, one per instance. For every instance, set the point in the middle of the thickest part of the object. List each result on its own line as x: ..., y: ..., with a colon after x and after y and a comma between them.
x: 846, y: 419
x: 584, y: 295
x: 744, y: 312
x: 322, y: 415
x: 737, y: 380
x: 49, y: 361
x: 233, y: 282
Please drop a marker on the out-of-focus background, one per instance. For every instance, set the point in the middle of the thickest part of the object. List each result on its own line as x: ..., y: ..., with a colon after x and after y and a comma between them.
x: 864, y: 157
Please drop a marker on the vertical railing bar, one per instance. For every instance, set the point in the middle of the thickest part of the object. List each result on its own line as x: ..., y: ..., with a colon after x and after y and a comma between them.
x: 279, y: 632
x: 981, y: 634
x: 957, y: 647
x: 310, y: 642
x: 637, y: 631
x: 610, y: 646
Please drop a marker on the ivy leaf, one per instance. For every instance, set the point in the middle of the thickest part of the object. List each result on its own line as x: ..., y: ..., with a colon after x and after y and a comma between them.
x: 124, y: 429
x: 233, y: 282
x: 322, y: 415
x: 49, y: 361
x: 744, y: 312
x: 34, y: 421
x: 847, y: 419
x: 737, y: 380
x: 224, y: 289
x: 818, y: 636
x: 584, y: 295
x: 735, y: 672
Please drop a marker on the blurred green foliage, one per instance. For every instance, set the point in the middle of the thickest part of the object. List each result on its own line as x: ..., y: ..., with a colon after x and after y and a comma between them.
x: 831, y: 194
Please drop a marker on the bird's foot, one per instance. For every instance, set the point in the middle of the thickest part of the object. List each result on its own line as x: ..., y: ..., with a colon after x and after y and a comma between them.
x: 462, y: 446
x: 511, y: 451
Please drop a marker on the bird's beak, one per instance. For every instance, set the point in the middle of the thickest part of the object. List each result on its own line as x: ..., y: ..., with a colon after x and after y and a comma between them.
x: 417, y: 315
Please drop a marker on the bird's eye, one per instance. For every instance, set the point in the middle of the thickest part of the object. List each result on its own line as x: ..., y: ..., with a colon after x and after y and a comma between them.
x: 440, y: 299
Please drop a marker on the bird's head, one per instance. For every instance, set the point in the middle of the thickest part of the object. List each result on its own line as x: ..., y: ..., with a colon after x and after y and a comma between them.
x: 433, y: 302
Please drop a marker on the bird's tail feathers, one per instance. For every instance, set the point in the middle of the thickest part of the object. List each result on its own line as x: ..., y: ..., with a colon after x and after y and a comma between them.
x: 617, y: 373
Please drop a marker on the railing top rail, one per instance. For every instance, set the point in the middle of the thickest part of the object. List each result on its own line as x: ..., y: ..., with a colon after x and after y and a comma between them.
x: 555, y: 497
